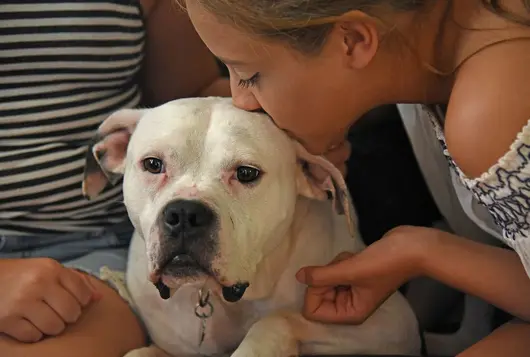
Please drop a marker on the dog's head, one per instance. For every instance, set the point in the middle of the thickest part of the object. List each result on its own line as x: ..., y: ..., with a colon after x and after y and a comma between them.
x: 211, y: 188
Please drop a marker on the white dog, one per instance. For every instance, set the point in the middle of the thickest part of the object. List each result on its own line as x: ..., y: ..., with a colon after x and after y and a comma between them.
x: 223, y: 204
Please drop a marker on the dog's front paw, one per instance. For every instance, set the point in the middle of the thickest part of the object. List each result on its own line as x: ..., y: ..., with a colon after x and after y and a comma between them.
x: 269, y: 337
x: 265, y: 350
x: 239, y: 353
x: 150, y: 351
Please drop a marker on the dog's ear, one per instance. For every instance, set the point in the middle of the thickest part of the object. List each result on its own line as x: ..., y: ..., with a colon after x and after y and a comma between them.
x: 331, y: 187
x: 105, y: 158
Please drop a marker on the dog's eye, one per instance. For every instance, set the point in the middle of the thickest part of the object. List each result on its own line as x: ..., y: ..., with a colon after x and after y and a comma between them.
x: 153, y: 165
x: 247, y: 174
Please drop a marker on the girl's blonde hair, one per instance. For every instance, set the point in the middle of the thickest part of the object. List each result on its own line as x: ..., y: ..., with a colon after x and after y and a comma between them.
x: 305, y: 24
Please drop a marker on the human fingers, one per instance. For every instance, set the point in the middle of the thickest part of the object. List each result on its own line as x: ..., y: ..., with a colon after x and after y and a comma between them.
x: 342, y: 256
x: 22, y: 330
x: 338, y: 272
x: 337, y: 310
x: 64, y: 304
x: 90, y: 281
x: 44, y: 318
x: 77, y: 285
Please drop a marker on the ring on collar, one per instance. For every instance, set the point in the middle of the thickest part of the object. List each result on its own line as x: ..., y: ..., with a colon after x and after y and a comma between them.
x: 204, y: 308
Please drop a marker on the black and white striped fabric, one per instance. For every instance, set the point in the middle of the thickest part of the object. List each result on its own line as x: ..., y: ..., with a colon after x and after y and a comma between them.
x: 64, y: 67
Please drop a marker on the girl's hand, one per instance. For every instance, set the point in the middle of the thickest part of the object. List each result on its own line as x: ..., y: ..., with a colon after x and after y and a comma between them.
x: 353, y: 286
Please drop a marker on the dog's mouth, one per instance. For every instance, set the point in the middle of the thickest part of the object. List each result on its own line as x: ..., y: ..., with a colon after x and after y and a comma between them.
x: 180, y: 260
x: 181, y: 266
x: 232, y: 293
x: 184, y: 265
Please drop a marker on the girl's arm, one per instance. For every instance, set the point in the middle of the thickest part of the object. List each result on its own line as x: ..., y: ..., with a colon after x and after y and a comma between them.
x: 494, y: 274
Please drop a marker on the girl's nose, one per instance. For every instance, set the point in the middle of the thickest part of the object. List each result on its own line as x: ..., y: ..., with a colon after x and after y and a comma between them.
x: 244, y: 99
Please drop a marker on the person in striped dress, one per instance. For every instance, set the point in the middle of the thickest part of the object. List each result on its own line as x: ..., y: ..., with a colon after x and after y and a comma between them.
x: 65, y: 65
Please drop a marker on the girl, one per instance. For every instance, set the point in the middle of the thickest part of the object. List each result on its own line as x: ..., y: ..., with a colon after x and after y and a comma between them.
x: 314, y: 65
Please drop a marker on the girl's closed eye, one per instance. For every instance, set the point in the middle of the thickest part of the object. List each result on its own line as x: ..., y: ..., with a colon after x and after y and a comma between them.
x: 250, y: 82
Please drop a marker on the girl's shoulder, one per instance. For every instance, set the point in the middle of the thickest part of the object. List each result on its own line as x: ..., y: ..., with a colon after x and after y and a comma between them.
x: 489, y: 105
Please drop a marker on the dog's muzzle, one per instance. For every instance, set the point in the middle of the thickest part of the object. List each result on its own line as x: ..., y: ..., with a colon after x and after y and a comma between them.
x: 187, y: 243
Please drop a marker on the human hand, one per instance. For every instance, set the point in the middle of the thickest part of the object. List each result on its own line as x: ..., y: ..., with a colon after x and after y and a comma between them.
x: 40, y: 297
x: 353, y: 286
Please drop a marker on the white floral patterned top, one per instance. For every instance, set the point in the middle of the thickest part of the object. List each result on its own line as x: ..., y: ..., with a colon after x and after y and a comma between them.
x: 504, y: 189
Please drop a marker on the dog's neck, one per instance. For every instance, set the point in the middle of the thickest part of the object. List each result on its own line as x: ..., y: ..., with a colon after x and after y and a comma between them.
x: 274, y: 264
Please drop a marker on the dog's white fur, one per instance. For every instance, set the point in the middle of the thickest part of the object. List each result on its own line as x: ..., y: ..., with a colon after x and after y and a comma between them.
x: 267, y: 232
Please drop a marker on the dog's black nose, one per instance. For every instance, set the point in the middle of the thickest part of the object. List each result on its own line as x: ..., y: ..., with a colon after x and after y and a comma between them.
x: 187, y: 216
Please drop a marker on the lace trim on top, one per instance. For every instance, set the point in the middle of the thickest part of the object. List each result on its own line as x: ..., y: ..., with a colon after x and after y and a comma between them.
x: 505, y: 187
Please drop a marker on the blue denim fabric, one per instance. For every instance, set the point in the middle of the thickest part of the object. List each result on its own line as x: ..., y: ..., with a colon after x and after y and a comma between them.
x: 88, y: 251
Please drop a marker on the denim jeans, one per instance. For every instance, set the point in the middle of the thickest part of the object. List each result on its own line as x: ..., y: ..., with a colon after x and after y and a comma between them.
x: 88, y: 251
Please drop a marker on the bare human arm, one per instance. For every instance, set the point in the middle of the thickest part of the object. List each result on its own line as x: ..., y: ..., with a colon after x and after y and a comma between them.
x: 177, y: 64
x: 491, y: 273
